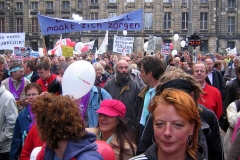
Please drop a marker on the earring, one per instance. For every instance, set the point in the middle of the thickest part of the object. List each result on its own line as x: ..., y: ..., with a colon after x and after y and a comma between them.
x: 189, y: 141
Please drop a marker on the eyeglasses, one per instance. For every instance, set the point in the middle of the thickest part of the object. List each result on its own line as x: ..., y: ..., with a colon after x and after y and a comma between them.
x: 33, y: 94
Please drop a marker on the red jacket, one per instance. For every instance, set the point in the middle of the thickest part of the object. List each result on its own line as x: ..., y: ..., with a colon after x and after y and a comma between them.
x: 212, y: 100
x: 32, y: 141
x: 44, y: 84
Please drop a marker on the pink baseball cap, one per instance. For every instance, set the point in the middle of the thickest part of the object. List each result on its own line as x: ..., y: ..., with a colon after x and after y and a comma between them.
x: 112, y: 108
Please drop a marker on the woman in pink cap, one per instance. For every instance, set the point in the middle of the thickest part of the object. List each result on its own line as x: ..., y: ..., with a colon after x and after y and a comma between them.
x: 113, y: 129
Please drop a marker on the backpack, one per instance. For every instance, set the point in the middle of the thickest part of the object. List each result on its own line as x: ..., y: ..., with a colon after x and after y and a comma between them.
x: 225, y: 120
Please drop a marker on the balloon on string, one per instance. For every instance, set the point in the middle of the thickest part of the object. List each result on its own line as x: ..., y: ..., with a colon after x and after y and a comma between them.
x: 53, y: 52
x: 79, y: 46
x: 182, y: 43
x: 50, y: 52
x: 174, y: 52
x: 40, y: 52
x: 85, y: 49
x: 175, y: 37
x: 73, y: 44
x: 171, y: 46
x: 145, y: 46
x: 124, y: 32
x: 82, y: 75
x: 105, y: 150
x: 68, y: 41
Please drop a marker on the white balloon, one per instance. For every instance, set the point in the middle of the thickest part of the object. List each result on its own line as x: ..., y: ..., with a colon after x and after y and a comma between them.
x: 79, y: 46
x: 174, y: 52
x: 49, y: 52
x: 40, y: 52
x: 182, y: 43
x: 175, y: 37
x: 145, y: 46
x: 78, y: 79
x: 124, y: 32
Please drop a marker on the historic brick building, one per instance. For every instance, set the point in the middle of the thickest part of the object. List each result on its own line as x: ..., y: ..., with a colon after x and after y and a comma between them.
x: 217, y: 21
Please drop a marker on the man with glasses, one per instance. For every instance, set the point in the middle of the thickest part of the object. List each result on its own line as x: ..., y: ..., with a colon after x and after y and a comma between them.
x: 8, y: 116
x: 211, y: 98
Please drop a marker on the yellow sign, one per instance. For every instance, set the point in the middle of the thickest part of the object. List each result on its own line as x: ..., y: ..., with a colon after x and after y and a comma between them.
x: 67, y: 51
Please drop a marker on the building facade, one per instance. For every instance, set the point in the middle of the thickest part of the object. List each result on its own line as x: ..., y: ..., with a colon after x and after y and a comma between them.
x: 216, y: 21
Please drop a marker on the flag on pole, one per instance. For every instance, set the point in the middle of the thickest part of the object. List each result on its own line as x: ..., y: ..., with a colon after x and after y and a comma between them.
x: 90, y: 44
x: 102, y: 49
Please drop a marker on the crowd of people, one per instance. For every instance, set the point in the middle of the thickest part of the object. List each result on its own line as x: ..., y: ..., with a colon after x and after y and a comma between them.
x: 149, y: 106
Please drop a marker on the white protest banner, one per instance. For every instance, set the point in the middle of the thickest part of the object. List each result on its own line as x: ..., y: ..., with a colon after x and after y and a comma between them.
x: 11, y: 40
x: 151, y: 43
x: 123, y: 45
x: 165, y: 48
x: 102, y: 49
x: 231, y: 51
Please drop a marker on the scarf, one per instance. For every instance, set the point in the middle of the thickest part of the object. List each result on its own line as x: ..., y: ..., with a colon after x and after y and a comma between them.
x: 84, y: 104
x: 16, y: 93
x: 31, y: 116
x: 147, y: 99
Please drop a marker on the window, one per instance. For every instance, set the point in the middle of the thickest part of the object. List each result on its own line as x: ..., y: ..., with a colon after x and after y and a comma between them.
x: 184, y: 1
x: 231, y: 3
x: 19, y: 25
x: 65, y: 4
x: 148, y: 20
x: 93, y: 16
x: 34, y: 5
x: 231, y: 44
x: 34, y: 46
x: 166, y: 20
x: 203, y: 21
x: 1, y: 5
x: 184, y: 20
x: 94, y: 1
x: 204, y: 1
x: 230, y: 23
x: 80, y: 4
x: 19, y: 6
x: 49, y: 4
x: 112, y: 1
x: 204, y: 46
x: 130, y: 1
x: 2, y: 25
x: 34, y: 25
x: 111, y: 15
x: 148, y: 0
x: 167, y: 1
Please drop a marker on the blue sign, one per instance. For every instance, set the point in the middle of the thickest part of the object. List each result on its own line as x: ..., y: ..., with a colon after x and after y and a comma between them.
x: 130, y: 21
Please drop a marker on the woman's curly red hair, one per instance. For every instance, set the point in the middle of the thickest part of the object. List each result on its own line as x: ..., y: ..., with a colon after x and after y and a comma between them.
x: 58, y: 118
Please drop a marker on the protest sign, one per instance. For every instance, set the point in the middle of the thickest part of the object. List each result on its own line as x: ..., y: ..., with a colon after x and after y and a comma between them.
x: 165, y: 48
x: 231, y: 51
x: 11, y: 40
x: 22, y: 51
x: 151, y: 43
x: 67, y: 51
x: 123, y: 45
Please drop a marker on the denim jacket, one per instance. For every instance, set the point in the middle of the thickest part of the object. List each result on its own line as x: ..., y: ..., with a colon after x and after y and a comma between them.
x: 94, y: 105
x: 20, y: 133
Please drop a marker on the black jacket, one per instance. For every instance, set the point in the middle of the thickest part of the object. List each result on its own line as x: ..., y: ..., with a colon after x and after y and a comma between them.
x: 218, y: 82
x: 127, y: 94
x: 34, y: 77
x: 232, y: 89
